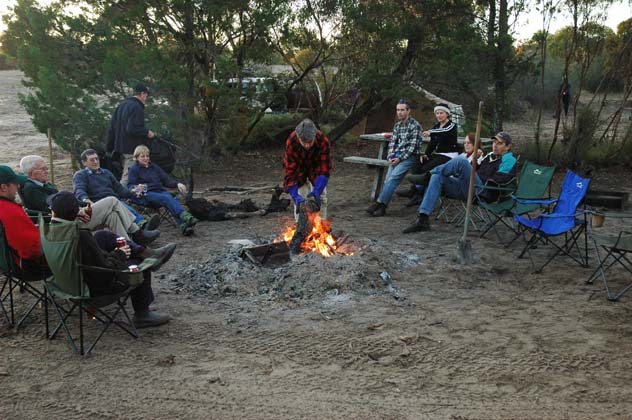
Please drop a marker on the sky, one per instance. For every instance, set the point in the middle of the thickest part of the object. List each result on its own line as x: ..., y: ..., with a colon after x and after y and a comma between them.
x: 528, y: 24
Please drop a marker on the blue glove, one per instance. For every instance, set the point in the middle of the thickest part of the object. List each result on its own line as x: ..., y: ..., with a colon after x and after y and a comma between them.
x: 320, y: 184
x: 314, y: 193
x: 296, y: 197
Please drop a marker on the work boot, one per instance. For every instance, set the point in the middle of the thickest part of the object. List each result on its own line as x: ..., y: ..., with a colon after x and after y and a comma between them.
x: 406, y: 192
x: 153, y: 223
x: 374, y: 206
x: 148, y: 319
x: 185, y: 229
x: 162, y: 254
x: 188, y: 218
x: 422, y: 223
x: 381, y: 210
x: 145, y: 237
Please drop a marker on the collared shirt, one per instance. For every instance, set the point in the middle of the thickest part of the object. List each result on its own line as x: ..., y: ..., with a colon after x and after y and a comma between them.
x: 406, y: 141
x: 301, y: 164
x: 36, y: 182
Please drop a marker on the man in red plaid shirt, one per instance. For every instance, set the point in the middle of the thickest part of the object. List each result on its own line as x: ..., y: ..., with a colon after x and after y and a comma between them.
x: 307, y: 165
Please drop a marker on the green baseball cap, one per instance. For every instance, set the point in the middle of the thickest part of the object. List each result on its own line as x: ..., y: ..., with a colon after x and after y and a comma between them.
x: 8, y: 176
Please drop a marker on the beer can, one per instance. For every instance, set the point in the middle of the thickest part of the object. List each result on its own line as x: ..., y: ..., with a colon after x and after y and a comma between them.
x: 120, y: 242
x: 133, y: 268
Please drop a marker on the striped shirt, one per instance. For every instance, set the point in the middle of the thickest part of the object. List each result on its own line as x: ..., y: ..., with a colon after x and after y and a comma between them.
x: 406, y: 141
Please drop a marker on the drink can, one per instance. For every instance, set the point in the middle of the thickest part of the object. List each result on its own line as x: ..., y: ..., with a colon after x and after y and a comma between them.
x: 133, y: 268
x: 120, y: 242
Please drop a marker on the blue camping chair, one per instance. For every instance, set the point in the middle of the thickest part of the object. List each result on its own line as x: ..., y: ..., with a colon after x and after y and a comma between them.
x: 564, y: 219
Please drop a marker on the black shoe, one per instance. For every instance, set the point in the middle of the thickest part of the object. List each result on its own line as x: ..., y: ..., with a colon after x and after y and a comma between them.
x: 153, y: 223
x: 145, y: 237
x: 381, y: 210
x: 415, y: 200
x: 162, y: 254
x: 421, y: 224
x: 374, y: 206
x: 148, y: 319
x: 406, y: 192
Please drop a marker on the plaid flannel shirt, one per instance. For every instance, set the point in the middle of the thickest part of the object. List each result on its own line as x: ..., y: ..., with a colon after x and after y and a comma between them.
x: 406, y: 141
x: 300, y: 164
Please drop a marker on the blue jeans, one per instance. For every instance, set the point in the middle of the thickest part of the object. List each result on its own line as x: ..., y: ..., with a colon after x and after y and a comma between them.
x: 161, y: 199
x: 137, y: 216
x: 452, y: 179
x: 394, y: 177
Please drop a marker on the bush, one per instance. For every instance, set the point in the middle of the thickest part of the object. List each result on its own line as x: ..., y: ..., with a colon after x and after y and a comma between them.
x: 273, y: 130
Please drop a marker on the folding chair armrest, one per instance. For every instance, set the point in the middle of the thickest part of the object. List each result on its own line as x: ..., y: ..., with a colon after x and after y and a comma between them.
x: 534, y: 201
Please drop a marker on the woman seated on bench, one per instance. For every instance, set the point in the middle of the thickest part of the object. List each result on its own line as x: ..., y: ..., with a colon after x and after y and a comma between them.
x: 154, y: 180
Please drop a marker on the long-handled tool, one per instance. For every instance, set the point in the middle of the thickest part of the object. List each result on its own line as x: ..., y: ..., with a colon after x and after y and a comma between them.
x: 464, y: 248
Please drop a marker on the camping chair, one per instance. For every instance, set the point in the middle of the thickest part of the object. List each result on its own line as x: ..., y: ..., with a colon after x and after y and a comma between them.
x: 15, y: 279
x: 60, y: 243
x: 617, y: 247
x: 563, y: 219
x: 148, y: 211
x: 533, y: 183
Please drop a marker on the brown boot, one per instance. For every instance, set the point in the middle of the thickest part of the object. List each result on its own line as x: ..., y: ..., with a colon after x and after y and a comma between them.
x: 381, y: 210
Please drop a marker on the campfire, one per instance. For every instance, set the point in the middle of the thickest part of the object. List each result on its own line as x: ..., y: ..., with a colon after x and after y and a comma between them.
x: 319, y: 239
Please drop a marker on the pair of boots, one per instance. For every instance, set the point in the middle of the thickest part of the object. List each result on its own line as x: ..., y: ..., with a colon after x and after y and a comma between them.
x: 188, y: 223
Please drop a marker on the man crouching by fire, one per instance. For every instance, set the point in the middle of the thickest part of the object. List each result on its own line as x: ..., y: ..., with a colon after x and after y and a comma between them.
x: 307, y: 166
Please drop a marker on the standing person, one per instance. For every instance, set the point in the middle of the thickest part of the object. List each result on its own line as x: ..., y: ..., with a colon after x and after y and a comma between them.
x: 443, y: 147
x: 565, y: 93
x: 307, y: 166
x: 127, y: 127
x: 153, y: 180
x: 403, y: 150
x: 453, y: 178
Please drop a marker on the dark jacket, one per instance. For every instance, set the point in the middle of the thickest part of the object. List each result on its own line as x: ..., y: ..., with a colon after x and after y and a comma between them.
x: 127, y: 127
x: 443, y: 139
x: 153, y: 176
x: 97, y: 185
x: 34, y: 196
x: 100, y: 283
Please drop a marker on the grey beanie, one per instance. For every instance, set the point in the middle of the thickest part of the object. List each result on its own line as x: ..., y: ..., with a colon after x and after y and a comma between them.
x: 306, y: 130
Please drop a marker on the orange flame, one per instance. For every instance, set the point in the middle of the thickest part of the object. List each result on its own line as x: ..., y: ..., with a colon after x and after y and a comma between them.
x: 318, y: 240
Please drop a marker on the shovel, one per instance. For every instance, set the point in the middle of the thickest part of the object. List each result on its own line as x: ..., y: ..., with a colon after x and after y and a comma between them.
x: 464, y: 248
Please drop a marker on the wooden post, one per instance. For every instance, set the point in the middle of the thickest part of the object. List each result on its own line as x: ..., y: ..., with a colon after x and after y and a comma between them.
x: 50, y: 155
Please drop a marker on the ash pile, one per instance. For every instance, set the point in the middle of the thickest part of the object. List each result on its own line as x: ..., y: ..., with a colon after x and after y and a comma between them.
x: 308, y: 276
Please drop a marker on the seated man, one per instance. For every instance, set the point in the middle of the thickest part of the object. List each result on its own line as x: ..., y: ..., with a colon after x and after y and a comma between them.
x: 94, y: 183
x: 453, y: 178
x: 101, y: 251
x: 107, y: 213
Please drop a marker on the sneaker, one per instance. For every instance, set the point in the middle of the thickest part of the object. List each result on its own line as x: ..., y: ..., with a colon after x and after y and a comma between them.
x: 422, y: 223
x: 148, y: 319
x: 381, y: 210
x: 162, y: 254
x: 153, y: 223
x: 145, y: 237
x: 374, y: 206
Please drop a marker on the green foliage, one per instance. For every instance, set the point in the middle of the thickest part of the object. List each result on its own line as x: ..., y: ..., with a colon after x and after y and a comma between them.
x: 272, y: 131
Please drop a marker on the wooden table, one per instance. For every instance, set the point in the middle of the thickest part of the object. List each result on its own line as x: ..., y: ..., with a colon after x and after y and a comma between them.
x: 381, y: 164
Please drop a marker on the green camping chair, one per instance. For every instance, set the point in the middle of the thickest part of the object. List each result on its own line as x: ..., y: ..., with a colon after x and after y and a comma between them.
x: 15, y: 280
x: 60, y: 243
x: 533, y: 183
x: 618, y: 249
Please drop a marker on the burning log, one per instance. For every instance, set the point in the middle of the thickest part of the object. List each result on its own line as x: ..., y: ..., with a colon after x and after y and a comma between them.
x: 303, y: 227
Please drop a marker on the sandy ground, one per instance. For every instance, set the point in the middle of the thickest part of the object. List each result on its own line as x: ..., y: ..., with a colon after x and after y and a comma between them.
x: 438, y: 340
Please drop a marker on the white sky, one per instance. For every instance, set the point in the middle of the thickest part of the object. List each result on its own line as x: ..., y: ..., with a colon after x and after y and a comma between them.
x: 529, y: 23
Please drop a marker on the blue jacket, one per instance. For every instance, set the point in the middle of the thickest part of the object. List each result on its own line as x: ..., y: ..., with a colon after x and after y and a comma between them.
x: 152, y: 175
x: 127, y: 127
x: 97, y: 185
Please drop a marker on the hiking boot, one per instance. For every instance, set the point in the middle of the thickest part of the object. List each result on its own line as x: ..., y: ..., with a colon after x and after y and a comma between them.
x: 145, y: 237
x: 188, y: 218
x: 421, y: 224
x: 185, y: 229
x: 162, y: 254
x: 406, y: 192
x: 153, y: 223
x: 374, y: 206
x: 381, y: 210
x: 148, y: 319
x: 415, y: 200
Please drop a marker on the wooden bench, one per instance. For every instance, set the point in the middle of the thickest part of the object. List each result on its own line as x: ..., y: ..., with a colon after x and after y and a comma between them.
x: 381, y: 164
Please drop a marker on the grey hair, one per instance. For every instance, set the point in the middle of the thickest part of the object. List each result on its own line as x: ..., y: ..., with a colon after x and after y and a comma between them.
x: 27, y: 163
